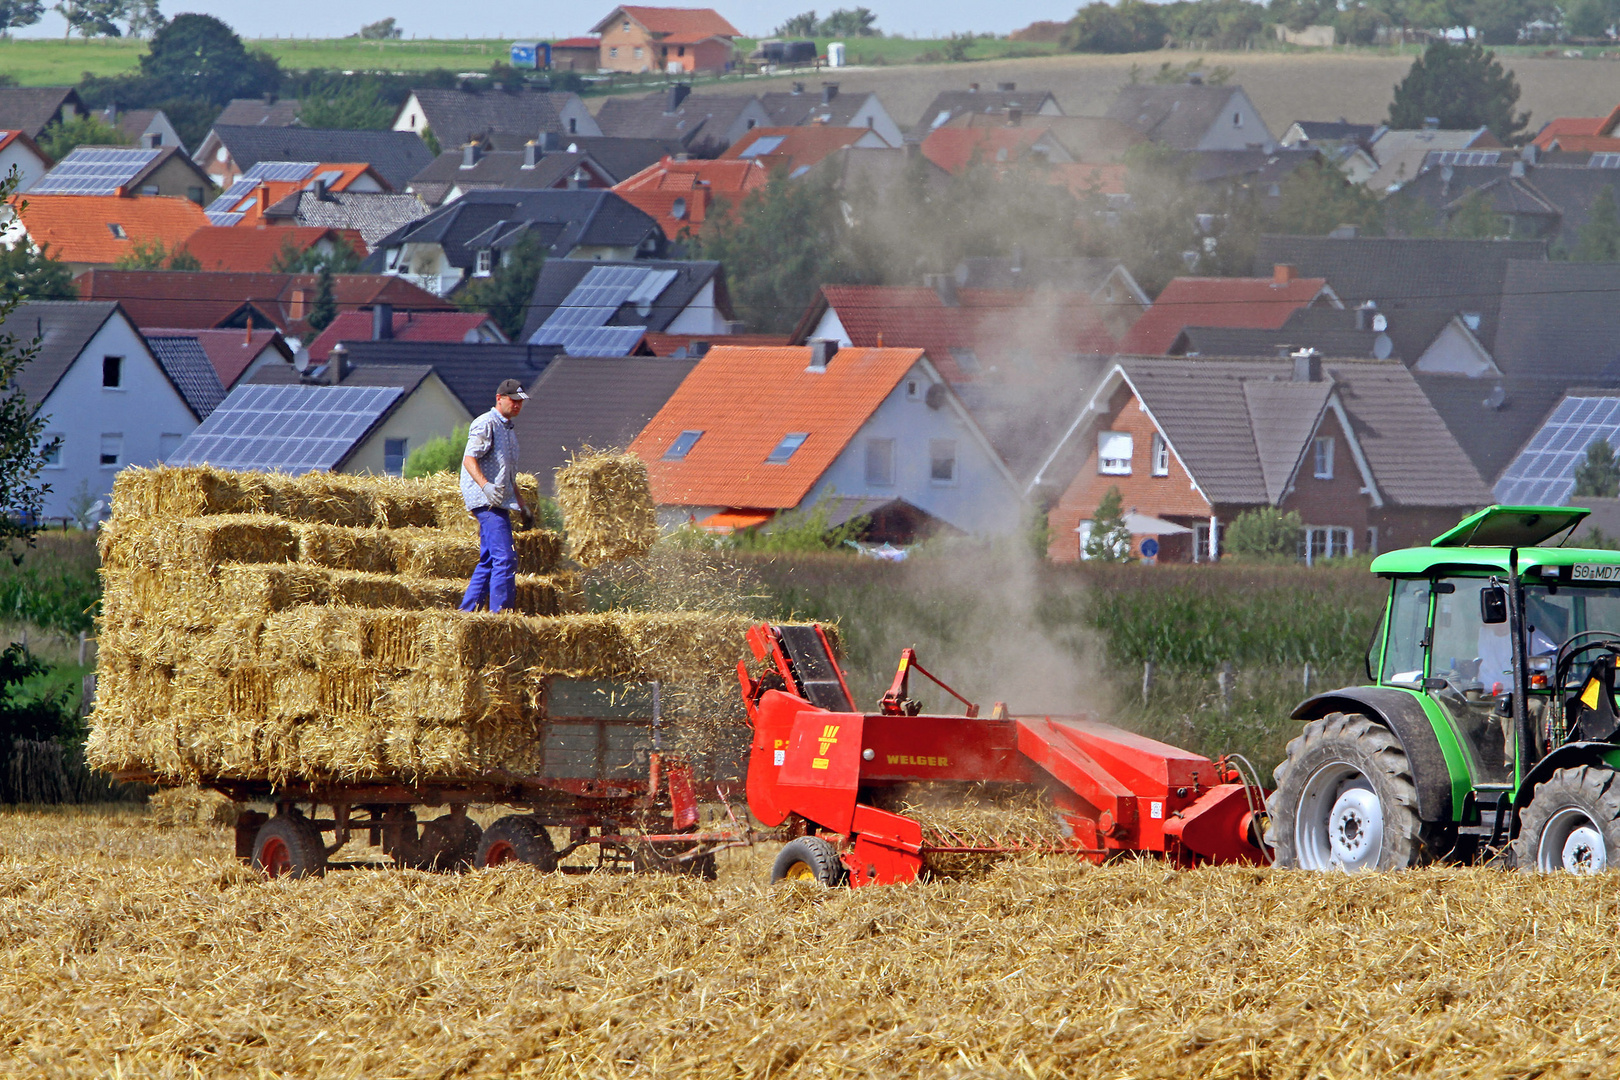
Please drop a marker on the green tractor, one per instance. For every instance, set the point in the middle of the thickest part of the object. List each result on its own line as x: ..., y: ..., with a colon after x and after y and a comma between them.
x: 1491, y: 728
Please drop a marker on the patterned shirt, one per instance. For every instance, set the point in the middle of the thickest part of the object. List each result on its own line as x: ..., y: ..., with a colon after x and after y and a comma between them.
x: 492, y: 442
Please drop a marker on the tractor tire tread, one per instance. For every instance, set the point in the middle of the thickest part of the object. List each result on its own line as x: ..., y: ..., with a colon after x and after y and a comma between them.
x: 1590, y: 788
x: 528, y: 839
x: 820, y: 856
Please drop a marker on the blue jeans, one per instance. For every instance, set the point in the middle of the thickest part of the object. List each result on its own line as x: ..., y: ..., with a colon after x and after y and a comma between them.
x: 495, y: 577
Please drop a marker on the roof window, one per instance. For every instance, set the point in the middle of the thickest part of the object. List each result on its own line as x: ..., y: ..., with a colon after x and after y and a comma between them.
x: 117, y: 230
x: 784, y: 449
x: 682, y: 445
x: 765, y: 144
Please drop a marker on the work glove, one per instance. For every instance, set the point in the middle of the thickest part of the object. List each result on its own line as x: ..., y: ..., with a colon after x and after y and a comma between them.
x: 527, y: 517
x: 495, y: 493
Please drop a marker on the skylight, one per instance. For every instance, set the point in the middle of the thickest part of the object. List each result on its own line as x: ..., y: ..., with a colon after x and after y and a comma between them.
x: 682, y: 445
x: 784, y: 449
x: 762, y: 145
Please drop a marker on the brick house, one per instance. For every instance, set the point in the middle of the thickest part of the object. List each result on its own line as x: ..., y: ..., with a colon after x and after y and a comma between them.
x: 672, y: 40
x: 1352, y: 446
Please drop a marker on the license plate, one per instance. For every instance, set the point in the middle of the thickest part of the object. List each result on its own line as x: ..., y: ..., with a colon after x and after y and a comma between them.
x: 1595, y: 572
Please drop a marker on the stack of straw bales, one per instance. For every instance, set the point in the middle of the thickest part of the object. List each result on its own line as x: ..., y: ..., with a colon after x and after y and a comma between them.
x: 266, y: 627
x: 609, y: 507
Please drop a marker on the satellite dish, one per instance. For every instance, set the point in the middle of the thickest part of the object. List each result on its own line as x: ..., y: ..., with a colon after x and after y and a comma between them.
x: 1382, y: 346
x: 1380, y: 323
x: 1497, y: 398
x: 935, y: 397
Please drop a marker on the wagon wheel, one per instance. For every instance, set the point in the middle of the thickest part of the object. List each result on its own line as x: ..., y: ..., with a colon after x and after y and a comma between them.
x: 289, y: 845
x: 517, y: 839
x: 809, y: 858
x: 448, y: 843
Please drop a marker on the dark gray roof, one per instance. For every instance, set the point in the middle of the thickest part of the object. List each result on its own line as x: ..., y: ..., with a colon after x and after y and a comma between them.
x: 189, y: 368
x: 499, y: 169
x: 64, y: 328
x: 32, y: 108
x: 471, y: 372
x: 700, y: 122
x: 373, y: 214
x: 590, y: 401
x: 1025, y: 420
x: 622, y: 157
x: 560, y: 277
x: 1082, y: 274
x: 810, y: 107
x: 564, y: 220
x: 1562, y: 195
x: 1240, y: 427
x: 1254, y: 166
x: 506, y: 120
x: 1335, y: 130
x: 395, y: 155
x: 256, y: 112
x: 1405, y: 274
x: 406, y: 377
x: 1178, y: 115
x: 953, y: 103
x: 1330, y: 331
x: 295, y: 429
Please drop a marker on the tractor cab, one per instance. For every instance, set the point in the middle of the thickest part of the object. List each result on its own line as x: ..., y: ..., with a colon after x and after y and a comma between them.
x: 1493, y: 672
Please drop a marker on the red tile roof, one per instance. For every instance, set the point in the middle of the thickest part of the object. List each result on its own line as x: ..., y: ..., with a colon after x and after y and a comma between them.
x: 668, y: 344
x: 240, y: 250
x: 993, y: 324
x: 101, y: 229
x: 1566, y: 125
x: 954, y: 149
x: 457, y: 326
x: 276, y: 190
x: 745, y: 400
x: 230, y: 351
x: 660, y: 20
x: 1252, y: 303
x: 1601, y: 144
x: 798, y: 146
x: 578, y: 43
x: 696, y: 184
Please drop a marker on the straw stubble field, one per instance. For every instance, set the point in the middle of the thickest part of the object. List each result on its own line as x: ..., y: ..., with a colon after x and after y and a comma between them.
x: 136, y: 951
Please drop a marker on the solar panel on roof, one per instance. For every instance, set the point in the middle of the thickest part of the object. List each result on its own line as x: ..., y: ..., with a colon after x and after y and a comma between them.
x: 1544, y: 472
x: 94, y: 171
x: 238, y: 191
x: 281, y: 170
x: 292, y: 428
x: 578, y: 324
x: 598, y: 340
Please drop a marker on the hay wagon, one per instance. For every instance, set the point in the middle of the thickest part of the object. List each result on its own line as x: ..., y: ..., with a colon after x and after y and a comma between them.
x: 293, y: 642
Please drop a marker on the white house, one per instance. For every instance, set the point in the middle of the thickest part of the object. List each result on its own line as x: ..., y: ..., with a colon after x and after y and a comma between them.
x: 18, y: 151
x: 105, y: 395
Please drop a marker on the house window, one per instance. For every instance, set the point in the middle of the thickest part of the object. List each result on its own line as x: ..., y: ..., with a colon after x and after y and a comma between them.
x: 1114, y: 453
x: 112, y: 449
x: 682, y: 445
x: 1326, y: 542
x: 1161, y: 456
x: 914, y: 390
x: 394, y: 456
x: 1237, y: 119
x: 573, y: 125
x: 625, y: 26
x: 638, y: 52
x: 112, y: 372
x: 485, y: 260
x: 195, y: 194
x: 613, y: 52
x: 942, y: 461
x: 117, y: 230
x: 784, y: 449
x: 168, y: 443
x: 880, y: 462
x: 1324, y: 458
x: 51, y: 450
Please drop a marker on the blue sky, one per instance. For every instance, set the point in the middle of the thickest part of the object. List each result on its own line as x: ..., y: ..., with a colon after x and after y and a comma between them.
x: 489, y: 18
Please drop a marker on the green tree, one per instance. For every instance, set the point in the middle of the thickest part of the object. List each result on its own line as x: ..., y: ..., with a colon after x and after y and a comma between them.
x: 339, y: 258
x: 92, y: 18
x: 850, y: 22
x: 15, y: 13
x: 144, y: 18
x: 381, y: 30
x: 1598, y: 477
x: 29, y: 273
x: 1475, y: 220
x: 1462, y: 85
x: 437, y: 455
x: 198, y: 56
x: 1359, y: 24
x: 355, y: 105
x: 153, y: 254
x: 432, y: 142
x: 23, y: 448
x: 87, y: 129
x: 1590, y: 18
x: 324, y: 309
x: 1264, y: 533
x: 800, y: 26
x: 1499, y: 21
x: 1599, y: 238
x: 1130, y: 26
x: 1221, y: 24
x: 1109, y: 540
x: 504, y: 296
x: 1317, y: 198
x: 1298, y: 14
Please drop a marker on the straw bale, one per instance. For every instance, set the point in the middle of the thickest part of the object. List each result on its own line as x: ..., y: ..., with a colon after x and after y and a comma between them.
x: 189, y: 805
x: 189, y: 491
x: 197, y: 542
x: 342, y: 548
x: 606, y: 501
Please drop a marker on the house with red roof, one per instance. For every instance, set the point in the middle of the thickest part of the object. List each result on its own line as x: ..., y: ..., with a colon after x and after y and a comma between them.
x: 679, y: 195
x: 671, y: 40
x: 576, y: 54
x: 754, y: 433
x: 234, y: 354
x: 954, y: 149
x: 248, y: 201
x: 1249, y: 303
x: 798, y: 149
x: 384, y: 323
x: 1577, y: 132
x: 19, y: 151
x: 238, y: 250
x: 86, y: 231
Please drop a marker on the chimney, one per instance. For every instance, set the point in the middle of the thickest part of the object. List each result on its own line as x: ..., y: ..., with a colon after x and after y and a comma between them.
x: 1282, y: 274
x: 829, y: 90
x: 318, y: 189
x: 698, y: 349
x: 469, y: 155
x: 337, y: 364
x: 1516, y: 169
x: 822, y: 351
x: 1307, y: 365
x: 261, y: 197
x: 1015, y: 116
x: 944, y: 285
x: 151, y: 140
x: 531, y: 153
x: 677, y: 94
x: 1006, y: 87
x: 247, y: 338
x: 382, y: 322
x: 1364, y: 314
x: 295, y: 307
x: 973, y: 88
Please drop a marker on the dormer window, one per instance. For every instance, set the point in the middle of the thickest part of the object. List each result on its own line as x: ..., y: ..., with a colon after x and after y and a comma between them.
x: 485, y: 262
x: 784, y: 449
x: 677, y: 209
x: 1114, y: 453
x: 682, y: 445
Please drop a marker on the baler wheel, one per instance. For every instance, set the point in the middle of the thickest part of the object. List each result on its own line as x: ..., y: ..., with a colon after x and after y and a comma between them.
x: 449, y: 843
x: 289, y: 845
x: 1346, y: 800
x: 809, y: 858
x: 516, y: 838
x: 1572, y: 823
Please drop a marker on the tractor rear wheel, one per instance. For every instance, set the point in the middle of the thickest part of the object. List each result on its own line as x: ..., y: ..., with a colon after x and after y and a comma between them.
x: 809, y: 858
x: 1572, y: 824
x: 516, y: 838
x: 1346, y: 800
x: 289, y: 845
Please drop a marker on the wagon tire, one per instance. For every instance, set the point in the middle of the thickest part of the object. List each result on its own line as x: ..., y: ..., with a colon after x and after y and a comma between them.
x: 1572, y: 824
x: 449, y: 843
x: 1346, y: 800
x: 289, y: 845
x: 517, y: 839
x: 809, y: 858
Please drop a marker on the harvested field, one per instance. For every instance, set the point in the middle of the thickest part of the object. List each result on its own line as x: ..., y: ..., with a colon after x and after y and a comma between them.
x: 139, y: 952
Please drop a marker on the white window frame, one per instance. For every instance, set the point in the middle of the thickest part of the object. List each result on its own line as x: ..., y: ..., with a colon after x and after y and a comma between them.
x: 940, y: 450
x: 1326, y: 542
x: 885, y: 476
x: 483, y: 262
x: 404, y: 453
x: 784, y: 450
x: 670, y: 454
x: 1161, y: 455
x: 1109, y: 445
x: 1322, y: 453
x: 54, y: 461
x: 114, y: 439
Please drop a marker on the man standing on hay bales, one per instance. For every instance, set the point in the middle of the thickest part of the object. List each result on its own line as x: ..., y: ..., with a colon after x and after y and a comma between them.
x: 489, y: 486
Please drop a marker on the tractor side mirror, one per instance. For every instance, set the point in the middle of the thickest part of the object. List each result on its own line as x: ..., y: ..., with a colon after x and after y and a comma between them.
x: 1493, y: 605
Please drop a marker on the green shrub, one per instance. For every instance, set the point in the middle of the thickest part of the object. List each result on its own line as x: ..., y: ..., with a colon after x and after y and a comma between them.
x: 1265, y: 533
x: 437, y: 455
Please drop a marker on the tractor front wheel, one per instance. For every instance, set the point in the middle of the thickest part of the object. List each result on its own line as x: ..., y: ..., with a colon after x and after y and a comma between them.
x: 1572, y: 824
x: 1346, y: 800
x: 809, y: 858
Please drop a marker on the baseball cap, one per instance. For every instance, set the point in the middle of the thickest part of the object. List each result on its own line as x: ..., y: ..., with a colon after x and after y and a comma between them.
x: 513, y: 389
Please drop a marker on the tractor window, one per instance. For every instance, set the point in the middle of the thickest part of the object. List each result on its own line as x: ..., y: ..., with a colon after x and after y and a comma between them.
x: 1408, y: 626
x: 1471, y: 654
